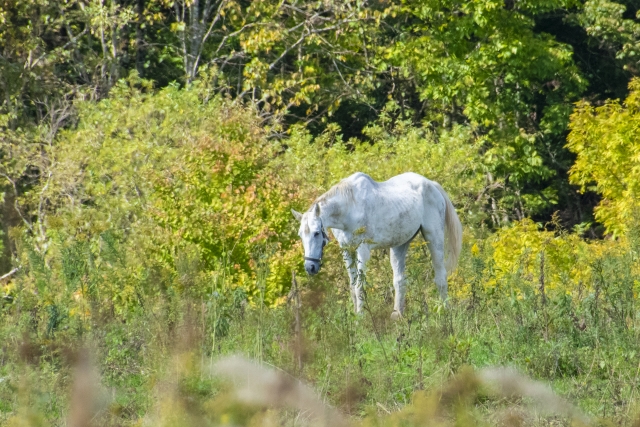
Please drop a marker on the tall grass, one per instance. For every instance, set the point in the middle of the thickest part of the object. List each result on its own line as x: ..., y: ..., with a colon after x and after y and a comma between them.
x: 72, y: 359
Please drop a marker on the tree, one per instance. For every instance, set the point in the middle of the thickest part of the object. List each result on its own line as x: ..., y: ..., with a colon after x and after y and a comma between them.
x: 166, y: 175
x: 605, y: 141
x: 482, y: 64
x: 279, y: 55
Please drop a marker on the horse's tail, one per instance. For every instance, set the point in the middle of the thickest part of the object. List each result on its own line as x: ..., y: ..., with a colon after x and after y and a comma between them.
x: 453, y: 233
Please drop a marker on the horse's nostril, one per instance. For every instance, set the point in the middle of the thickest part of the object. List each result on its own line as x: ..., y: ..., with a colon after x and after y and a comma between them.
x: 313, y: 268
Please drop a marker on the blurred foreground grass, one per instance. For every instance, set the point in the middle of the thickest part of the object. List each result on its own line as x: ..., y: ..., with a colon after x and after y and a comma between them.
x: 164, y: 363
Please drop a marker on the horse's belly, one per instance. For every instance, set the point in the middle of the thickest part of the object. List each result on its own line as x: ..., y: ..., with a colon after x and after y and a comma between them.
x: 396, y: 231
x: 393, y: 241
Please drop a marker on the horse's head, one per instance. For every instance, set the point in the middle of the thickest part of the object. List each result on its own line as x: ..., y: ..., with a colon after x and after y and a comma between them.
x: 313, y: 236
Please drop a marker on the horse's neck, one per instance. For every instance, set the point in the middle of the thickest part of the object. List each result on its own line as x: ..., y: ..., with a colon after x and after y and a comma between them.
x: 336, y: 213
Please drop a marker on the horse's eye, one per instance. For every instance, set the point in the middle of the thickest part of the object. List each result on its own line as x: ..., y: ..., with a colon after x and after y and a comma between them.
x: 316, y: 234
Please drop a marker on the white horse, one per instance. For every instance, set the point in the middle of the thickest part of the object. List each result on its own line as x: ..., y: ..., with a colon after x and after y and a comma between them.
x: 364, y: 214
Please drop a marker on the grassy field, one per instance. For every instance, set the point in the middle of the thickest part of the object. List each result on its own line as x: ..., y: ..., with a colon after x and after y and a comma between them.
x: 85, y: 364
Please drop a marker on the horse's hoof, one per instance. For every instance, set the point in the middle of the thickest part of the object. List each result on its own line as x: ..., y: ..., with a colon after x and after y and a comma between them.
x: 396, y: 315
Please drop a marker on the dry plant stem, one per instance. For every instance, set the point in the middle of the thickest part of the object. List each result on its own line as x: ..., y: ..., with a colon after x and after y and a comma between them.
x: 543, y: 299
x: 633, y: 389
x: 375, y: 328
x: 493, y: 316
x: 593, y: 361
x: 324, y: 390
x: 297, y: 325
x: 381, y: 406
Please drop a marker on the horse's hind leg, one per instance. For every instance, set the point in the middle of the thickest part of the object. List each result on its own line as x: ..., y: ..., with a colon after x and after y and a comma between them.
x: 435, y: 240
x: 398, y: 257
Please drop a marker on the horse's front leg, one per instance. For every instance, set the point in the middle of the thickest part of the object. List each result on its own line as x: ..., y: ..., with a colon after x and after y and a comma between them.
x: 397, y: 257
x: 353, y: 275
x: 357, y: 268
x: 363, y: 254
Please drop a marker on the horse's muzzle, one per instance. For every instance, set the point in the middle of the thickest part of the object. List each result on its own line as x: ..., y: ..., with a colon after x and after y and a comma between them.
x: 312, y: 267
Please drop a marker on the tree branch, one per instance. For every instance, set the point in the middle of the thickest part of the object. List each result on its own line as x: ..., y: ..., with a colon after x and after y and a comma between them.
x: 15, y: 204
x: 9, y: 274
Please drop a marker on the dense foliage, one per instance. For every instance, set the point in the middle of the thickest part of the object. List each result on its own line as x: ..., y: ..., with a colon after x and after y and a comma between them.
x: 508, y: 72
x: 605, y: 141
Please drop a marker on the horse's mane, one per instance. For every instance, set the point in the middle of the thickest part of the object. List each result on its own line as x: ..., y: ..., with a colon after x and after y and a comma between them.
x: 344, y: 188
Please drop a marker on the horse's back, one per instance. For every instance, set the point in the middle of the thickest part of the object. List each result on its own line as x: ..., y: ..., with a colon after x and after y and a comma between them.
x: 399, y: 189
x: 411, y: 184
x: 393, y: 210
x: 405, y: 189
x: 407, y: 180
x: 359, y: 180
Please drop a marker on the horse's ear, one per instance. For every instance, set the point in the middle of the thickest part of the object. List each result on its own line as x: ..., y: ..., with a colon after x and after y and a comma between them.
x: 297, y: 215
x: 317, y: 210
